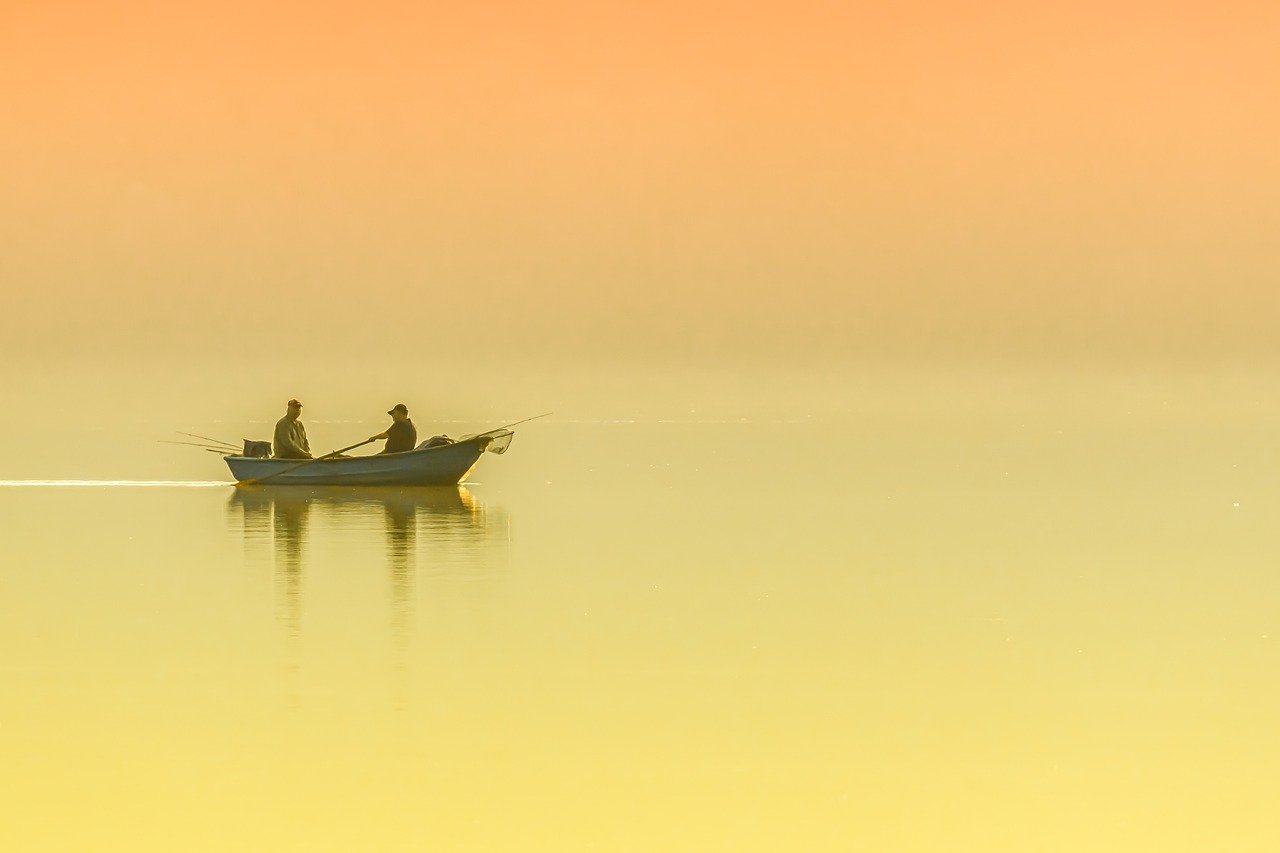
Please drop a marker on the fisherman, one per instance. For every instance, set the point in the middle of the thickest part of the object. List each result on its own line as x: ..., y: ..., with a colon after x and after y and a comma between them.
x: 291, y: 436
x: 402, y: 435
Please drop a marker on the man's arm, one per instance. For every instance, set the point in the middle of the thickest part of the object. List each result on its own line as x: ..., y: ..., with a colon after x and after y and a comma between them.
x: 281, y: 439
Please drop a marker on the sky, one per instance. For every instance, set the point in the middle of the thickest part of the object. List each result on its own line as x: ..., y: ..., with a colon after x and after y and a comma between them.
x: 708, y: 181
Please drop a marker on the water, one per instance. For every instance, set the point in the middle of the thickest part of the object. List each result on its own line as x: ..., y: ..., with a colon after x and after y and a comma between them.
x: 958, y: 612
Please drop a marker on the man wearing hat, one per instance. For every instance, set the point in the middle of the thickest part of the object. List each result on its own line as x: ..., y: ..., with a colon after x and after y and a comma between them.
x: 291, y: 436
x: 402, y: 435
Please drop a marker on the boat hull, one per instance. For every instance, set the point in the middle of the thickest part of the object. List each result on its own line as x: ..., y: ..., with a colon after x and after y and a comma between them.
x: 434, y: 466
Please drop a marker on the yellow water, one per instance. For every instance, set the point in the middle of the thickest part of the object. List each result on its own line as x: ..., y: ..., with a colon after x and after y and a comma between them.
x: 937, y: 610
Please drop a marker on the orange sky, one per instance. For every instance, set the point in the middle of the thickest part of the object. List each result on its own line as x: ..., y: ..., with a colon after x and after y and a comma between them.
x: 582, y: 178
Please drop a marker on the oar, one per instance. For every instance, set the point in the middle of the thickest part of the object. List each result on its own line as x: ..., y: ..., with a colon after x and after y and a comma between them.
x: 304, y: 463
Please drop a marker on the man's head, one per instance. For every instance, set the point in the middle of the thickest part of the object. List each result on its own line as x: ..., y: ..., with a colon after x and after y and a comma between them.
x: 295, y: 409
x: 399, y: 412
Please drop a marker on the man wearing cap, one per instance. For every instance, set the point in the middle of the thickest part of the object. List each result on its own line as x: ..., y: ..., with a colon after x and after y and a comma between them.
x: 402, y: 435
x: 291, y: 436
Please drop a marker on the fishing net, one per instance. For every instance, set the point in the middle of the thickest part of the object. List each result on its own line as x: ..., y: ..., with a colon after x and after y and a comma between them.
x: 501, y: 441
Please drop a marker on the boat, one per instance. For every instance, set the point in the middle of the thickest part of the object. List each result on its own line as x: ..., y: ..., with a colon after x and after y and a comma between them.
x: 440, y: 465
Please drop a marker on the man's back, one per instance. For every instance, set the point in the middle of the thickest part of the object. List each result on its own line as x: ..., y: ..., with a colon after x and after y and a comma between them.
x: 401, y: 436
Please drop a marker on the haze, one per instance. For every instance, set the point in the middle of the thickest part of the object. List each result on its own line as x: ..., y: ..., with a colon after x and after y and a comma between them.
x: 564, y: 181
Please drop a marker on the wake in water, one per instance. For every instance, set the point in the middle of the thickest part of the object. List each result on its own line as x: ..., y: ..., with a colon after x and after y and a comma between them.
x: 164, y: 484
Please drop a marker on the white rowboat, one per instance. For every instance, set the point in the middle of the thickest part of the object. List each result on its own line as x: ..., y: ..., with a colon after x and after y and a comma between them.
x: 445, y: 465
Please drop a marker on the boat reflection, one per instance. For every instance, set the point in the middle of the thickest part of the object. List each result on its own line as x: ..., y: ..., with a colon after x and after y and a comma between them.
x: 445, y: 528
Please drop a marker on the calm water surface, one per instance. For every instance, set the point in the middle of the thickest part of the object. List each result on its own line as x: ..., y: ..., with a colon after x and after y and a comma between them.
x: 968, y: 626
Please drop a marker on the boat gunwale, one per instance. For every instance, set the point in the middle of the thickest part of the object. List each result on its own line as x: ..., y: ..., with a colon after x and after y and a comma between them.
x: 330, y: 459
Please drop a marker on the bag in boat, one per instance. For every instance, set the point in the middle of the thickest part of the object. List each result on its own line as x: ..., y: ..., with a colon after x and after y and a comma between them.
x: 498, y: 441
x: 257, y: 449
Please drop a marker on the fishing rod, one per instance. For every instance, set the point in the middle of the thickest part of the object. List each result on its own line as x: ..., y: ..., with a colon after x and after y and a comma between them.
x: 205, y: 446
x: 206, y: 438
x: 517, y: 423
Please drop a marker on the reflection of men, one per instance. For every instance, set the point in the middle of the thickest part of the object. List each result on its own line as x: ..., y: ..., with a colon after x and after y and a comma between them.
x: 291, y: 436
x: 402, y: 435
